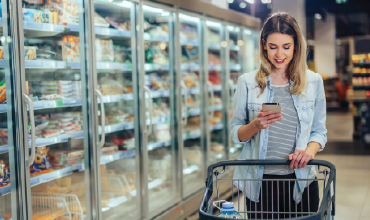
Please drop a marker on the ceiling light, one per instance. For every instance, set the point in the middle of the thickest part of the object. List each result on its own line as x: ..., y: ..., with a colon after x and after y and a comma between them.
x: 250, y: 1
x: 125, y: 4
x: 247, y: 32
x: 230, y: 1
x: 148, y: 8
x: 318, y: 16
x: 213, y: 24
x: 243, y: 5
x: 230, y: 28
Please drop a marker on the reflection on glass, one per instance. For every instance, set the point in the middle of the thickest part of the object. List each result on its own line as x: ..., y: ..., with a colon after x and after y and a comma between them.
x: 215, y: 44
x: 161, y: 176
x: 53, y: 83
x: 193, y: 154
x: 235, y: 42
x: 113, y: 34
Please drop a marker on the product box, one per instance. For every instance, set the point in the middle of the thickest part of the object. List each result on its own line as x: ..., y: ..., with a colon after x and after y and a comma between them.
x: 71, y: 49
x: 30, y: 53
x: 33, y: 15
x: 1, y: 52
x: 104, y: 50
x: 67, y: 12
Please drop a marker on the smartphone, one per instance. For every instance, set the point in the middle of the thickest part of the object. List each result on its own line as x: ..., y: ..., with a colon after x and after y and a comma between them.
x: 274, y: 107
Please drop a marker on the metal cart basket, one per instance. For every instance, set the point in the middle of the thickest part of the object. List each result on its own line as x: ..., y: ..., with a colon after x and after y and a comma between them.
x: 325, y: 178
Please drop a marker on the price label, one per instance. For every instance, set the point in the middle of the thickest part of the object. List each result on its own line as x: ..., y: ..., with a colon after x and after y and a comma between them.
x: 129, y: 66
x: 49, y: 104
x: 48, y: 64
x: 187, y: 135
x: 59, y: 103
x: 61, y: 65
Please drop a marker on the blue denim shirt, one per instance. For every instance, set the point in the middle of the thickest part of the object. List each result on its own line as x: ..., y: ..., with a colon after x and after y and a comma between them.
x: 311, y: 109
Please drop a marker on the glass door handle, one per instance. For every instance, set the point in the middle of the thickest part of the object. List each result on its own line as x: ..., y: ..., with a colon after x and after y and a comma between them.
x: 150, y: 107
x: 100, y: 96
x: 210, y: 84
x: 231, y: 94
x: 185, y: 120
x: 31, y: 158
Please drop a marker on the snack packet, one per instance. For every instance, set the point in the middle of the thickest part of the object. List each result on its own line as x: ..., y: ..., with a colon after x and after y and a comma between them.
x: 41, y: 163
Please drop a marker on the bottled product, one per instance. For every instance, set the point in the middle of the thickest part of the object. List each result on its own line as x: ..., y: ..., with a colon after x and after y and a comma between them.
x: 228, y: 211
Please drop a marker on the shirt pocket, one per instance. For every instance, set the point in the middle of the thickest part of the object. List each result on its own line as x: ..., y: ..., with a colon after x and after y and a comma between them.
x: 307, y: 111
x: 253, y: 109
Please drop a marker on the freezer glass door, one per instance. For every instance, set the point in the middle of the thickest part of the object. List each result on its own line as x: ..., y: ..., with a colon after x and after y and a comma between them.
x: 216, y: 47
x: 54, y: 84
x: 5, y: 145
x: 250, y: 59
x: 193, y: 165
x: 236, y: 69
x: 113, y: 21
x: 159, y: 64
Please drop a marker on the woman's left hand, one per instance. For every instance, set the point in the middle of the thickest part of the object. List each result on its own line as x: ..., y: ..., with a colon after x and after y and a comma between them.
x: 300, y: 159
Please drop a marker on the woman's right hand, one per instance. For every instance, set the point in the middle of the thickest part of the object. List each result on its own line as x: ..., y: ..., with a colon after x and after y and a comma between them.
x: 265, y: 119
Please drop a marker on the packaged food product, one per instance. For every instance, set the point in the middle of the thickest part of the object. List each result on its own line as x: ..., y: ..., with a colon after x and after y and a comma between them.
x: 51, y: 132
x: 2, y: 92
x: 30, y: 53
x: 33, y: 15
x: 3, y: 137
x: 68, y: 12
x: 109, y: 148
x: 1, y: 52
x: 99, y: 21
x: 71, y: 49
x: 104, y: 50
x: 41, y: 163
x: 4, y: 173
x: 113, y: 23
x: 66, y: 155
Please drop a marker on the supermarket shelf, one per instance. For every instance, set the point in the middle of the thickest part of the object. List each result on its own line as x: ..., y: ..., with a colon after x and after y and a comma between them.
x: 104, y: 66
x: 235, y: 67
x: 149, y: 37
x: 366, y: 63
x: 234, y: 48
x: 217, y: 88
x: 361, y: 87
x: 196, y: 112
x: 361, y: 100
x: 216, y: 127
x: 193, y: 134
x: 189, y: 66
x: 360, y: 74
x: 112, y: 32
x: 214, y: 67
x: 214, y: 46
x: 190, y: 169
x: 189, y: 42
x: 45, y: 64
x: 193, y: 91
x: 42, y: 27
x: 116, y: 98
x: 152, y: 146
x: 159, y: 94
x: 155, y: 67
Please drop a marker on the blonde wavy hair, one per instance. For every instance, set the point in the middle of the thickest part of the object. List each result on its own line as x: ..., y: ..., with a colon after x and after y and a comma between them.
x: 284, y: 23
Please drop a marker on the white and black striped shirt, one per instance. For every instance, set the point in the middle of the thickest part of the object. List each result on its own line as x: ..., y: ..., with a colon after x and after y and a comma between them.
x: 282, y: 134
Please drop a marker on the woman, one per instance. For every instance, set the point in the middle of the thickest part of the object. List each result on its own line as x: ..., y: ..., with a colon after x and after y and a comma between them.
x: 297, y: 133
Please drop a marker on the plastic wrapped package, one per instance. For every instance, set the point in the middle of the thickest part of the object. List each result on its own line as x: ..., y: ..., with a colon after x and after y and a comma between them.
x: 30, y: 53
x: 68, y: 12
x: 41, y: 163
x: 104, y: 50
x: 2, y: 92
x: 71, y: 48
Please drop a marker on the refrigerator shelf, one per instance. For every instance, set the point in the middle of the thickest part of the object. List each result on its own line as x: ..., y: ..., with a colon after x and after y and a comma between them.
x: 190, y: 169
x: 149, y: 37
x: 104, y: 66
x: 189, y: 42
x: 196, y: 112
x: 234, y: 48
x: 216, y: 88
x: 192, y: 91
x: 235, y: 67
x: 189, y: 66
x: 156, y: 67
x: 110, y: 32
x: 214, y: 46
x: 216, y: 127
x: 214, y: 67
x: 154, y: 145
x: 193, y: 134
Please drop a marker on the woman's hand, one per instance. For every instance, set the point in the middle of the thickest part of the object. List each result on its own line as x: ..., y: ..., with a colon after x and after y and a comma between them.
x: 265, y: 119
x: 300, y: 159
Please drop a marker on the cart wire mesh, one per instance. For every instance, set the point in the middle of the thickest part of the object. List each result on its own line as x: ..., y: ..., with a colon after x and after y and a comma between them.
x: 276, y: 196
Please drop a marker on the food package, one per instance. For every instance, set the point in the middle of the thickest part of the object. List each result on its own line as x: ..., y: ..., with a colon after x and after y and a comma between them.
x: 33, y: 15
x: 99, y: 21
x: 1, y: 52
x: 2, y: 91
x: 68, y: 12
x: 4, y: 172
x: 51, y: 11
x: 121, y: 54
x: 71, y: 49
x: 104, y: 50
x: 41, y: 163
x: 66, y: 155
x: 162, y: 132
x: 109, y: 148
x: 3, y: 137
x: 216, y: 147
x: 193, y: 155
x: 30, y: 53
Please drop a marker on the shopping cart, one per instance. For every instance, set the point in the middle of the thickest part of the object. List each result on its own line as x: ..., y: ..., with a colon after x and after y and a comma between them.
x: 326, y: 209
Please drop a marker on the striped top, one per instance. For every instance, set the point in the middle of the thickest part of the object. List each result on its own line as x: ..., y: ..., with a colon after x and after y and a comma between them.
x: 282, y: 134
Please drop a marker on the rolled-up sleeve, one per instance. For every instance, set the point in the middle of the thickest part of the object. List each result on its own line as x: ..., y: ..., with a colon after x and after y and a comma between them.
x: 318, y: 129
x: 240, y: 114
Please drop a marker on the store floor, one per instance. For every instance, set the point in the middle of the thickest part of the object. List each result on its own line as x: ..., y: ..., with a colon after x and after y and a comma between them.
x: 352, y: 161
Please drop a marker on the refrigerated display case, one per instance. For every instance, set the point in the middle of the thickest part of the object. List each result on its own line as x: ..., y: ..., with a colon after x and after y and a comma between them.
x: 159, y: 65
x: 235, y: 44
x: 190, y: 40
x: 215, y: 56
x: 116, y: 79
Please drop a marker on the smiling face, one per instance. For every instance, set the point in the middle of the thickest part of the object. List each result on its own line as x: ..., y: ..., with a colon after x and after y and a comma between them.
x: 280, y: 49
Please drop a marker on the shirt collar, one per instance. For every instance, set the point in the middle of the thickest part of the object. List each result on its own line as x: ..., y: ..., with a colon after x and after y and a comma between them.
x: 268, y: 81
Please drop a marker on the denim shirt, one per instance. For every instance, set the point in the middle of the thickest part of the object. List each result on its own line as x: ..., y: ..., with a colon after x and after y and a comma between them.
x: 311, y: 109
